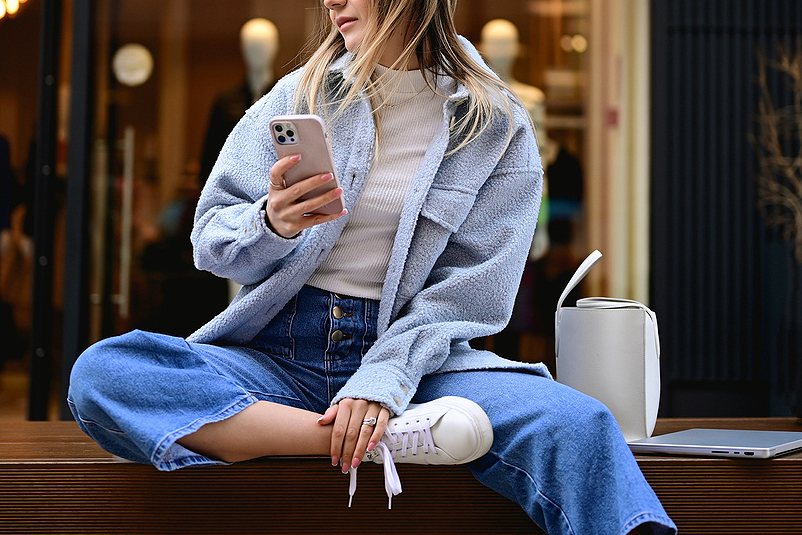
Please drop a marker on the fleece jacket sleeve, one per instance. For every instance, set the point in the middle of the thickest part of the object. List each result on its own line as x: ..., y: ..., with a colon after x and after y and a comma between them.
x: 230, y: 237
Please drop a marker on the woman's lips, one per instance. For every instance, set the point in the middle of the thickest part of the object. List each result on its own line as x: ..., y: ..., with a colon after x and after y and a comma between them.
x: 344, y: 23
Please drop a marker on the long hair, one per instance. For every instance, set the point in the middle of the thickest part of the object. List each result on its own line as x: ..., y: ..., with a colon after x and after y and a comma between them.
x: 431, y: 37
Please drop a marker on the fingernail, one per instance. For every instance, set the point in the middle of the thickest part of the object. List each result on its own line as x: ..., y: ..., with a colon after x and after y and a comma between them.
x: 327, y: 177
x: 295, y: 157
x: 334, y: 460
x: 319, y: 419
x: 355, y: 463
x: 371, y: 446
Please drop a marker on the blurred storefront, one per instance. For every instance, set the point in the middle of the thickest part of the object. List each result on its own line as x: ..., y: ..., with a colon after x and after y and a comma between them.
x: 139, y: 91
x: 649, y: 122
x: 130, y: 95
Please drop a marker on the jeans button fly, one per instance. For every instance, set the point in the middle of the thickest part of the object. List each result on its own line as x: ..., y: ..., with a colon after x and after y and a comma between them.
x: 337, y: 335
x: 338, y: 312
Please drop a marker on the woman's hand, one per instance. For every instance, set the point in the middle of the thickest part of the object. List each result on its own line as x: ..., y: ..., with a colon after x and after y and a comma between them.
x: 351, y: 437
x: 287, y: 215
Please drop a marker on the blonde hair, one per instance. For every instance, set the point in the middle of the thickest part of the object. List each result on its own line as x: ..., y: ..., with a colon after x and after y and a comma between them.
x: 432, y: 38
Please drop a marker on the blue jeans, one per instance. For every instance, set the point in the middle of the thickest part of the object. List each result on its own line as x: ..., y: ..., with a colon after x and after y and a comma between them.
x: 556, y: 452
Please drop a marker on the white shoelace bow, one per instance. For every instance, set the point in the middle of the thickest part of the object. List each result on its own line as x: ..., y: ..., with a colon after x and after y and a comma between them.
x: 408, y: 439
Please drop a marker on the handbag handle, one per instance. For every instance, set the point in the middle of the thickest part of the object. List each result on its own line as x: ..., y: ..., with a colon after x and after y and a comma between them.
x: 579, y: 274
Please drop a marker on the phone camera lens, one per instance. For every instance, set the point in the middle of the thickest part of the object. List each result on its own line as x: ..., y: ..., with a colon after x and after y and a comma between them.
x: 290, y: 133
x: 282, y: 139
x: 279, y: 128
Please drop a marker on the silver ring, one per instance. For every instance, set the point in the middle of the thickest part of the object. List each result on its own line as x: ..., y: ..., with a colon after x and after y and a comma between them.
x: 283, y: 184
x: 369, y: 421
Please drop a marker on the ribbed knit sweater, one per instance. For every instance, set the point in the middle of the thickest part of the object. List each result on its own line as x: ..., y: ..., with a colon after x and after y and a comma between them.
x: 357, y: 265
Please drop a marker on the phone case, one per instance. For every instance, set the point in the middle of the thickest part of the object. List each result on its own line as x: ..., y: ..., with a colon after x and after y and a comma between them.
x: 306, y: 135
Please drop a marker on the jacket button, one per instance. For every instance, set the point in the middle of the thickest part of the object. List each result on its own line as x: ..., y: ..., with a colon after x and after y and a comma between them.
x: 337, y: 335
x: 338, y: 312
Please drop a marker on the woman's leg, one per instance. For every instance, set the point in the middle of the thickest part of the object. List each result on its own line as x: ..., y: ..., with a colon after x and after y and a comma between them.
x: 264, y: 428
x: 556, y: 452
x: 157, y: 399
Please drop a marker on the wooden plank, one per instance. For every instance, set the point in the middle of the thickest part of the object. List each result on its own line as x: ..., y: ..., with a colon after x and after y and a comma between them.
x: 713, y: 495
x: 282, y: 495
x: 54, y: 479
x: 49, y: 442
x: 276, y: 496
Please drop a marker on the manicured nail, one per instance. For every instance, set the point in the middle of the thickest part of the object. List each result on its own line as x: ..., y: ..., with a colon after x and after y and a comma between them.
x: 295, y: 157
x: 326, y: 177
x: 334, y: 460
x: 321, y: 418
x: 371, y: 446
x: 355, y: 462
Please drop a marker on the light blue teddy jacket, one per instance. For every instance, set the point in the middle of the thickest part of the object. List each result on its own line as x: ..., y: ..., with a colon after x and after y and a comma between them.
x: 463, y: 237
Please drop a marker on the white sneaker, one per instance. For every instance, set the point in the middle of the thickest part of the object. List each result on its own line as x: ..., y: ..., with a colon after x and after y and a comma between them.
x: 448, y: 430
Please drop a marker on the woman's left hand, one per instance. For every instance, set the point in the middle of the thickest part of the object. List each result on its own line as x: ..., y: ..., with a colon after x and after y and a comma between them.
x: 351, y: 436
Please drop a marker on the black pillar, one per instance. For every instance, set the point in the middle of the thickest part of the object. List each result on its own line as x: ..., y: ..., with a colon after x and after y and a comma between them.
x: 42, y: 304
x: 76, y: 279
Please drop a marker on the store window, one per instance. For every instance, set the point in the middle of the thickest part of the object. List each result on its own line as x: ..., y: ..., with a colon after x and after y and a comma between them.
x: 180, y: 78
x: 20, y: 25
x: 171, y: 77
x: 174, y: 79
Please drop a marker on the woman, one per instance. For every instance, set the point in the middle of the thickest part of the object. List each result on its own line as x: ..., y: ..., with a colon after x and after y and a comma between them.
x: 353, y: 327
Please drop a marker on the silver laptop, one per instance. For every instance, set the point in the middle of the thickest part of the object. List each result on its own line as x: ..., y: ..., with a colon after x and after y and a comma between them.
x: 722, y: 443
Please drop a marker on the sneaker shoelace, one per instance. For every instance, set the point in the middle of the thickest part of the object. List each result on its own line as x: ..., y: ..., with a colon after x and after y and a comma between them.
x: 403, y: 441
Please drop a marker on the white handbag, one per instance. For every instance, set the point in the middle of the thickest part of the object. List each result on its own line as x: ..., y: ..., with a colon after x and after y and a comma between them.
x: 610, y: 350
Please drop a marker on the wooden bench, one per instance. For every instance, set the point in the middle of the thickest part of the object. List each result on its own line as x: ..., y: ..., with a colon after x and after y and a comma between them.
x: 53, y: 479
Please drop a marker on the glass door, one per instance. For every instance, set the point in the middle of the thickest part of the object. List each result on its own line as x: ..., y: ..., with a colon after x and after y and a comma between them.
x: 167, y: 72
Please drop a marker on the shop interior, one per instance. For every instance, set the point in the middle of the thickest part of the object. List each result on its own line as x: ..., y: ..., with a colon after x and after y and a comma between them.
x: 170, y: 79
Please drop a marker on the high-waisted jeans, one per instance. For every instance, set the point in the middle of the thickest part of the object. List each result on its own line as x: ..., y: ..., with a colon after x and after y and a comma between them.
x: 556, y: 452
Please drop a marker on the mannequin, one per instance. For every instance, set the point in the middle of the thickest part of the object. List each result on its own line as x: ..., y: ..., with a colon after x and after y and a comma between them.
x: 501, y: 48
x: 259, y: 42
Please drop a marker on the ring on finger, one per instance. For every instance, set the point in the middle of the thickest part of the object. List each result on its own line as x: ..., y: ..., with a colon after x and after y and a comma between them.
x: 369, y: 421
x: 283, y: 184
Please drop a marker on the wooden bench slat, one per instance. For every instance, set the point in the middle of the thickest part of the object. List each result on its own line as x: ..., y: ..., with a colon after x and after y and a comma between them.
x: 54, y: 479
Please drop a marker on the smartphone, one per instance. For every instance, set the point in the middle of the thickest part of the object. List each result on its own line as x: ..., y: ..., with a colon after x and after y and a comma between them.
x: 306, y: 135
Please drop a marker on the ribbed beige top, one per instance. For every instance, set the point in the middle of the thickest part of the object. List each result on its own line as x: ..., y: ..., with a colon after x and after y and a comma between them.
x: 357, y: 265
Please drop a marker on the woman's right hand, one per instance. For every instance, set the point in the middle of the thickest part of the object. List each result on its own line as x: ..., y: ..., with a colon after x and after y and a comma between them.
x: 352, y: 436
x: 287, y: 214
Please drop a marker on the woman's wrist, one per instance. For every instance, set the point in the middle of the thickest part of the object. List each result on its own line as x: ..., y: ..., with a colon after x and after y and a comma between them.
x: 270, y: 226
